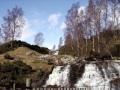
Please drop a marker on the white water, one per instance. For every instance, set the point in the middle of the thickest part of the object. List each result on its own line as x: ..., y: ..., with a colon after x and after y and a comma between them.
x: 92, y: 76
x: 59, y: 76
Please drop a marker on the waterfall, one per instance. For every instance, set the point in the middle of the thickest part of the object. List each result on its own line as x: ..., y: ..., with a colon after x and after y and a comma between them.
x: 91, y: 77
x: 97, y: 74
x: 59, y: 76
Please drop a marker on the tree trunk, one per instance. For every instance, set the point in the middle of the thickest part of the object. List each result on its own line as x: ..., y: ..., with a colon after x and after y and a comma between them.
x: 98, y: 44
x: 86, y: 49
x: 93, y: 44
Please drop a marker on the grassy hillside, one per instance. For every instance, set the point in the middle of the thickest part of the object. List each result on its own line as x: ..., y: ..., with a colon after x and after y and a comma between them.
x: 27, y: 55
x: 9, y: 46
x: 25, y: 52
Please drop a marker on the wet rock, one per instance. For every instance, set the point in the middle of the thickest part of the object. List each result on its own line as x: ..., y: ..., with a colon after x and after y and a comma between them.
x: 76, y: 72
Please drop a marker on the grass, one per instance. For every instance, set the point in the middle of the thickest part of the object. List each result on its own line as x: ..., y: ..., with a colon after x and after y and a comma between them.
x: 2, y: 59
x: 22, y: 51
x: 31, y: 60
x: 42, y: 65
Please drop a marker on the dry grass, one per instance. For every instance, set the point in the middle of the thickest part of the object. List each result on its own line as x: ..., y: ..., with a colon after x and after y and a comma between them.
x: 31, y: 60
x: 22, y: 51
x: 2, y: 59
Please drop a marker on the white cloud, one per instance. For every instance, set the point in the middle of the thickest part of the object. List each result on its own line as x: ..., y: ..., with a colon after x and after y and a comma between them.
x: 63, y: 26
x: 36, y: 24
x: 53, y: 19
x: 27, y: 31
x: 81, y: 8
x: 32, y: 26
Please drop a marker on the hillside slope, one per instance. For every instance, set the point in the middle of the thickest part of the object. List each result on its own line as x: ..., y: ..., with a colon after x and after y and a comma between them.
x: 9, y: 46
x: 29, y: 54
x: 29, y: 57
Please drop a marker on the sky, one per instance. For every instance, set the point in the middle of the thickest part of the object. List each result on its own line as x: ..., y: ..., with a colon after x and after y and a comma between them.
x: 46, y: 16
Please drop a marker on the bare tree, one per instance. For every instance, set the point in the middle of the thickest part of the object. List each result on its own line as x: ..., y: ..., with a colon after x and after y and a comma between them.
x: 91, y: 19
x: 54, y: 47
x: 0, y: 36
x: 39, y: 39
x: 98, y: 21
x: 86, y: 35
x: 105, y: 14
x: 115, y: 7
x: 74, y: 24
x: 13, y: 24
x: 60, y: 42
x: 68, y: 43
x: 86, y: 28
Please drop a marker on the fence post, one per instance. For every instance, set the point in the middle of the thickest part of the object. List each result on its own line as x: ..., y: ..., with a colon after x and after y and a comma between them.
x: 28, y: 83
x: 14, y: 86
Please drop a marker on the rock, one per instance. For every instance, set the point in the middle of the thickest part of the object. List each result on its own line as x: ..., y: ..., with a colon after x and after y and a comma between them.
x: 57, y: 60
x: 67, y: 59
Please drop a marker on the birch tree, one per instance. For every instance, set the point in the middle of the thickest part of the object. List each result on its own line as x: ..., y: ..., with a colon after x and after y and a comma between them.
x: 60, y: 42
x: 91, y: 20
x: 39, y: 39
x: 13, y: 24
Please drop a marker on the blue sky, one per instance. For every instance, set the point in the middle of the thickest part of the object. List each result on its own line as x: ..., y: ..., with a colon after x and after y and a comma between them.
x: 46, y: 16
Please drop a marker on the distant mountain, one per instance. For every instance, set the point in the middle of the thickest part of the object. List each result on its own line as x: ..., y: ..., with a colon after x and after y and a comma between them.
x: 12, y: 45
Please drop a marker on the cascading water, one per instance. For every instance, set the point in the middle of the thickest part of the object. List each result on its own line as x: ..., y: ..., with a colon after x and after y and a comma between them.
x: 59, y: 76
x: 92, y: 78
x: 96, y: 74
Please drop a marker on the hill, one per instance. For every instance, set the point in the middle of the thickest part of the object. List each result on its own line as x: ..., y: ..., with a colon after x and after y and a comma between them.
x: 30, y: 57
x: 9, y: 46
x: 17, y: 56
x: 29, y: 54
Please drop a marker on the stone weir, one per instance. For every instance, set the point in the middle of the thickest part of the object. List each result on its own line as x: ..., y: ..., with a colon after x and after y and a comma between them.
x: 94, y: 74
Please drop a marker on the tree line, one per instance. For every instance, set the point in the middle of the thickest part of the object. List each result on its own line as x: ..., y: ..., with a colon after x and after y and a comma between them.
x: 95, y: 28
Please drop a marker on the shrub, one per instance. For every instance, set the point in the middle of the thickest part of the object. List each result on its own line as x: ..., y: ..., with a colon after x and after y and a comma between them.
x: 22, y: 67
x: 39, y: 78
x: 115, y: 50
x: 11, y: 72
x: 93, y: 56
x: 50, y: 62
x: 7, y: 56
x: 103, y: 55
